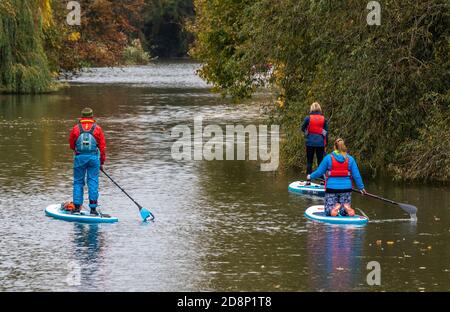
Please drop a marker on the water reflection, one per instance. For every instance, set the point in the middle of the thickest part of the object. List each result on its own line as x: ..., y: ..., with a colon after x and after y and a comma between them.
x: 334, y: 256
x: 88, y: 246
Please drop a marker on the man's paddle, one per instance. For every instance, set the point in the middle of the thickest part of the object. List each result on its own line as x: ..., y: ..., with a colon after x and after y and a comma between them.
x: 410, y: 209
x: 145, y: 214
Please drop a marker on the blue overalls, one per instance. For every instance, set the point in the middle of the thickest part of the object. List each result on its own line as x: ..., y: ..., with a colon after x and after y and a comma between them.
x: 86, y: 161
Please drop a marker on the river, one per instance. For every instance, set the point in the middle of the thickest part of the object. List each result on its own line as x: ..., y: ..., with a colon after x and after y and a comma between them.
x: 220, y: 225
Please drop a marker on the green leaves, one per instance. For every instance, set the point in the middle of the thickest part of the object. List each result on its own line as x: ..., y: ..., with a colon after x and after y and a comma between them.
x: 23, y: 63
x: 370, y: 79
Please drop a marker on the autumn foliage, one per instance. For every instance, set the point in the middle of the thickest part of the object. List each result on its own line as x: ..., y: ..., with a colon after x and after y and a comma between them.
x: 107, y: 28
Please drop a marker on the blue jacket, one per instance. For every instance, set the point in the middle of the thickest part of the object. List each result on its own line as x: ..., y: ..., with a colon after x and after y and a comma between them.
x: 314, y: 140
x: 339, y: 183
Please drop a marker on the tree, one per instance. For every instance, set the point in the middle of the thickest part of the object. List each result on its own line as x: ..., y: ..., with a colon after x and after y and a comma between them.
x: 107, y: 28
x: 380, y: 85
x: 164, y: 27
x: 24, y: 66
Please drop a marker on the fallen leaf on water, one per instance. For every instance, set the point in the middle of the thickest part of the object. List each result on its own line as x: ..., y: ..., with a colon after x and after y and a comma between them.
x: 429, y: 247
x: 390, y: 242
x: 379, y: 242
x: 422, y: 268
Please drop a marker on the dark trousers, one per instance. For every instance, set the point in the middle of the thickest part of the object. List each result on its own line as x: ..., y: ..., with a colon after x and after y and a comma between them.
x: 310, y: 151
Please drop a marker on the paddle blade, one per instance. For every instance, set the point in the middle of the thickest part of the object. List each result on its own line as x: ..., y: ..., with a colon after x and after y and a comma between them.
x: 411, y: 209
x: 146, y: 215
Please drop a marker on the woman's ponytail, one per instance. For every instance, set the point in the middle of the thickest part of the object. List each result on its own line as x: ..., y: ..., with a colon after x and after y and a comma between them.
x: 339, y: 145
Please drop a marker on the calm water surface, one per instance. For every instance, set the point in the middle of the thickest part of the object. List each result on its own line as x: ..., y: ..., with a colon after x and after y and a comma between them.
x: 221, y: 225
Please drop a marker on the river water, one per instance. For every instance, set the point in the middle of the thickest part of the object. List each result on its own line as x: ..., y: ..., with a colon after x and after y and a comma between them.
x: 220, y: 225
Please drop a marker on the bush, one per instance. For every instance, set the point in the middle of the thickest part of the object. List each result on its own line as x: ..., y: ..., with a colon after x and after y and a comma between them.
x: 134, y: 54
x: 427, y: 156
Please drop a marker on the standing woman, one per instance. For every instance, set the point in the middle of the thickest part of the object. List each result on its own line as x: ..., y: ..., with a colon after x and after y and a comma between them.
x: 340, y: 168
x: 315, y: 128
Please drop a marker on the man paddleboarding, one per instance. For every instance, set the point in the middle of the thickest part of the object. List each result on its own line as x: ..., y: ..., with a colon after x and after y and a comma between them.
x: 340, y: 168
x: 87, y: 140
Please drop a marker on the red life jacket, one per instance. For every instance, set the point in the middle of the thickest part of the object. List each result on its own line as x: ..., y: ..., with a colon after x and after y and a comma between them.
x: 339, y: 169
x: 86, y: 123
x: 316, y: 124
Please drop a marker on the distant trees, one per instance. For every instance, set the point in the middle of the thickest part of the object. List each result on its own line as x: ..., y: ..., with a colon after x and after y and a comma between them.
x: 164, y: 27
x: 386, y: 88
x: 107, y: 28
x: 36, y: 42
x: 117, y: 32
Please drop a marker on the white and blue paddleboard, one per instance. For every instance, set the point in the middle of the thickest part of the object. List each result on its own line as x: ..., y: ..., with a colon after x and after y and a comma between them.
x: 56, y: 211
x: 317, y: 213
x: 300, y: 187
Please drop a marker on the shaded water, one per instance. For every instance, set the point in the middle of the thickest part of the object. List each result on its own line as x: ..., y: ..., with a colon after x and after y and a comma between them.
x: 221, y: 225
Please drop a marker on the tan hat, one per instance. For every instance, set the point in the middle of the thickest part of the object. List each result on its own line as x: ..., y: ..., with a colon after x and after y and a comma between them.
x: 87, y: 112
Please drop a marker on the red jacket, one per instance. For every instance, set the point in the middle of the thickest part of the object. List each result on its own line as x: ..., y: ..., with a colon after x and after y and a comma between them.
x: 98, y: 135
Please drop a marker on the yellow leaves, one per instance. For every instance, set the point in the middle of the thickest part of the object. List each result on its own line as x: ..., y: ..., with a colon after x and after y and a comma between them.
x: 6, y: 7
x: 278, y: 72
x: 46, y: 12
x: 280, y: 101
x: 74, y: 36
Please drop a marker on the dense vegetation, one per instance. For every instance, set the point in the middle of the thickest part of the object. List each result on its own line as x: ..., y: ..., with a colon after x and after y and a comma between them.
x: 37, y: 44
x: 23, y: 62
x: 385, y: 89
x: 119, y: 32
x: 164, y: 27
x: 106, y: 35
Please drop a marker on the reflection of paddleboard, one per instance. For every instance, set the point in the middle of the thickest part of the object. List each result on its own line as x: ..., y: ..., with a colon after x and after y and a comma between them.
x: 300, y: 187
x: 56, y: 212
x: 317, y: 213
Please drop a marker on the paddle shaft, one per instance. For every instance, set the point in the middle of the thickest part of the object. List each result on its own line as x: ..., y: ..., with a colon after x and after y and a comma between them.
x: 139, y: 206
x: 377, y: 197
